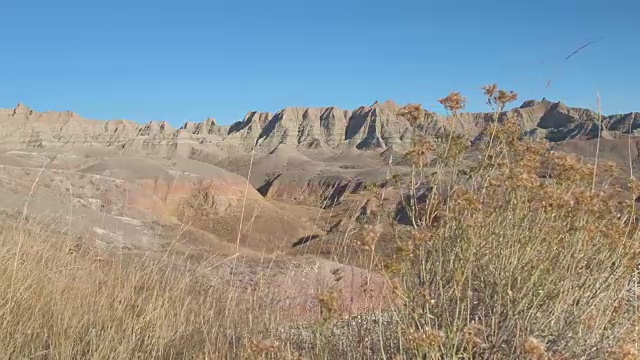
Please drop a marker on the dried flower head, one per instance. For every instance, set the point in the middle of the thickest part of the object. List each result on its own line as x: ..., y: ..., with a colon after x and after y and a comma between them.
x: 413, y: 113
x: 490, y: 90
x: 505, y: 136
x: 505, y: 97
x: 421, y: 237
x: 497, y: 98
x: 454, y: 102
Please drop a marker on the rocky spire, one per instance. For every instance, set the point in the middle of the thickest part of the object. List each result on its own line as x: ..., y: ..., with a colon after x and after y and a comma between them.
x: 21, y: 109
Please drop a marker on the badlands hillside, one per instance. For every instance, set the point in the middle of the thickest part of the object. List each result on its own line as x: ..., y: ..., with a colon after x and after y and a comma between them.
x: 128, y: 184
x: 275, y: 201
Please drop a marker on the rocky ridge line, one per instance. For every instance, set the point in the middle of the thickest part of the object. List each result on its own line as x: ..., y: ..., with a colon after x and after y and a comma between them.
x: 368, y: 128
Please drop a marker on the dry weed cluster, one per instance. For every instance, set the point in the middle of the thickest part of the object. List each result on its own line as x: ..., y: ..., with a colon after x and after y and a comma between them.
x: 528, y: 259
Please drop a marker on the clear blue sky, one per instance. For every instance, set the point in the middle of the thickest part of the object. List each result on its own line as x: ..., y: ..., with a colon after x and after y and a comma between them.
x: 187, y: 60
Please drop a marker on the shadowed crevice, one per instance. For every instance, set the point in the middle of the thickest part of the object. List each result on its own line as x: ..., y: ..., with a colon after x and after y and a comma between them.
x: 305, y: 240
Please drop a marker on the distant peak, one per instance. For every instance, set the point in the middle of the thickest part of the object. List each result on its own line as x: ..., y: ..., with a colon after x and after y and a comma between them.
x: 389, y: 104
x: 21, y: 109
x: 189, y: 125
x: 70, y: 113
x: 211, y: 120
x: 529, y: 104
x: 533, y: 103
x: 21, y: 105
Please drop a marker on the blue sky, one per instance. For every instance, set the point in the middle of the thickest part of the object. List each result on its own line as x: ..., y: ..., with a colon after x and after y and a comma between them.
x: 187, y: 60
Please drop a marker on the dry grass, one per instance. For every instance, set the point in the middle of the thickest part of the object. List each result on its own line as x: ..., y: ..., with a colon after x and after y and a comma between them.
x: 529, y: 254
x: 70, y: 302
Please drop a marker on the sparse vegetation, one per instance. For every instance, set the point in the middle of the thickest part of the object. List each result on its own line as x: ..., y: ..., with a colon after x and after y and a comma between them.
x: 525, y: 253
x: 61, y: 300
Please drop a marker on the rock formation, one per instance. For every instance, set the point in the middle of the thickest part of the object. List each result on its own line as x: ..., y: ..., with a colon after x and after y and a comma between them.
x: 367, y: 128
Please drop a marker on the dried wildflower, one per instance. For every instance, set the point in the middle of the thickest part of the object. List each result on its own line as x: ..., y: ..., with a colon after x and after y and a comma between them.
x: 568, y: 168
x: 454, y: 102
x: 505, y: 97
x: 490, y: 90
x: 535, y: 349
x: 421, y: 237
x: 511, y: 130
x: 505, y: 139
x: 529, y: 155
x: 413, y: 113
x: 497, y: 98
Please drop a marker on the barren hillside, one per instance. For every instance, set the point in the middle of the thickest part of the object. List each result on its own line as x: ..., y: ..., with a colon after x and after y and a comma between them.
x: 298, y: 211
